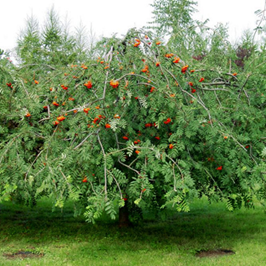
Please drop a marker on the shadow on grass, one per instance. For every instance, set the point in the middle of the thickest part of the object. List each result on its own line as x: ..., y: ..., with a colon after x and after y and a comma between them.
x: 204, y: 227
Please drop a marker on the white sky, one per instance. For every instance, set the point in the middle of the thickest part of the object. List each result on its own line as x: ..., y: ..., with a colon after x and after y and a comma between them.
x: 239, y: 14
x: 110, y: 16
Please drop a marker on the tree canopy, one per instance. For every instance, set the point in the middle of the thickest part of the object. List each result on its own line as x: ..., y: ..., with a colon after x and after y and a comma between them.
x: 146, y: 123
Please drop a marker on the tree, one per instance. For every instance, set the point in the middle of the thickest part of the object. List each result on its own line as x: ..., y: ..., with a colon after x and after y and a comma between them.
x: 53, y: 44
x: 173, y: 16
x: 139, y: 126
x: 173, y: 19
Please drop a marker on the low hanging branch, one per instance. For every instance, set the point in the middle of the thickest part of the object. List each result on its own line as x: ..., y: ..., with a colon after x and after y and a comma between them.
x: 105, y: 168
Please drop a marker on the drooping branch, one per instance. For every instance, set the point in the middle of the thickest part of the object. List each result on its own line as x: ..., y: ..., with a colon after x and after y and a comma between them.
x: 83, y: 141
x: 49, y: 115
x: 129, y: 167
x: 32, y: 164
x: 105, y: 167
x: 121, y: 195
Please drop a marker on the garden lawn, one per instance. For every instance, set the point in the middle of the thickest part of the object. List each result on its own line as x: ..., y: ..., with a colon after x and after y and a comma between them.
x: 60, y: 239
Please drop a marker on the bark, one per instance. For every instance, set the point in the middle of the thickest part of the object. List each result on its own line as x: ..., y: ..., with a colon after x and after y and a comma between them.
x: 124, y: 216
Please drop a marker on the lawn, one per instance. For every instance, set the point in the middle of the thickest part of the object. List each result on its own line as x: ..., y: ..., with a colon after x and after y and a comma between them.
x: 60, y: 239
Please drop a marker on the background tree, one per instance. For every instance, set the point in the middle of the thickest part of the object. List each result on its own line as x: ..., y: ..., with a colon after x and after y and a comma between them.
x: 173, y: 19
x: 53, y: 43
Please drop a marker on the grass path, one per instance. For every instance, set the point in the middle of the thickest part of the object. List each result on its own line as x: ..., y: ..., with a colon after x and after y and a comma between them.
x: 65, y: 240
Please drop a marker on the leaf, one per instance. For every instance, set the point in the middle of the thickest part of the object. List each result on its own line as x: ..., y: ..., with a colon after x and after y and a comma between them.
x: 263, y: 153
x: 137, y: 201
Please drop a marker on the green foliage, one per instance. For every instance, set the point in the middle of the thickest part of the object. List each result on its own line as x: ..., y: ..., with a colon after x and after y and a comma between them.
x: 142, y: 122
x: 173, y: 16
x: 52, y: 44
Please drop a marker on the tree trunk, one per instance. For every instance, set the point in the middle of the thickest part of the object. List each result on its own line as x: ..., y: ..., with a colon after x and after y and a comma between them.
x: 123, y: 216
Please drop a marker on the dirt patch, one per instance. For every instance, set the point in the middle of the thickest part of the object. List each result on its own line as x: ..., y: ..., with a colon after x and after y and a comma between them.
x: 22, y: 254
x: 214, y: 253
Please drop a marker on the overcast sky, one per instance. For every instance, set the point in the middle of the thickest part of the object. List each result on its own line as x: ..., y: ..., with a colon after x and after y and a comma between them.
x: 111, y: 16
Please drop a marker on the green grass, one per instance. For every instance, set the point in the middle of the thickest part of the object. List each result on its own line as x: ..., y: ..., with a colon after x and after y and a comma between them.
x: 66, y: 240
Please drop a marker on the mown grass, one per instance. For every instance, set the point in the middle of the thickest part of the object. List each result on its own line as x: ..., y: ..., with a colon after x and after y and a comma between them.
x: 65, y: 240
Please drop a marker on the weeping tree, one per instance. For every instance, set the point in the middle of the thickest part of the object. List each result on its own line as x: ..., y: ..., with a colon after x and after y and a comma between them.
x: 140, y: 127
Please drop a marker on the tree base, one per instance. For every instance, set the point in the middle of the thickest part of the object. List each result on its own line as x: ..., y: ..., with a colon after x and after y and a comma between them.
x: 123, y: 221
